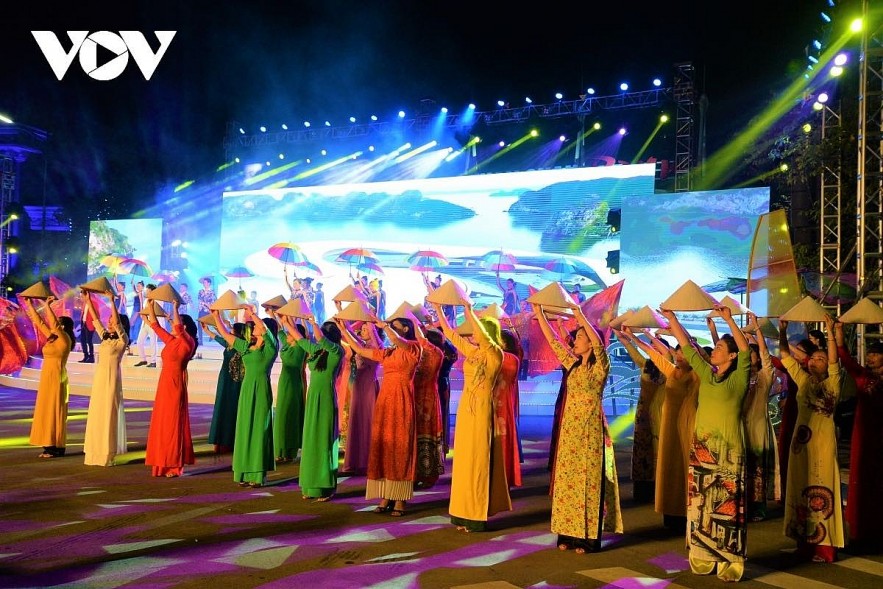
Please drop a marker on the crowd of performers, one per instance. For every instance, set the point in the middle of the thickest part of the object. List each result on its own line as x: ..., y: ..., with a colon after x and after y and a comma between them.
x: 704, y: 450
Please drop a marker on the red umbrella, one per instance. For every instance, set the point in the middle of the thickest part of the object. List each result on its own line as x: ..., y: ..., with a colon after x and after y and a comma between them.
x: 287, y: 252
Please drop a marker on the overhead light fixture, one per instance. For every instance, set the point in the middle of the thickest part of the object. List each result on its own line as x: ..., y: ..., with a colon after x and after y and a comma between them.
x: 623, y: 86
x: 590, y: 91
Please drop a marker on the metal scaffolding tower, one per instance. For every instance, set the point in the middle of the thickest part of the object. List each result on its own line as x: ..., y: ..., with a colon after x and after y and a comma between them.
x: 869, y: 247
x: 831, y: 231
x: 685, y: 100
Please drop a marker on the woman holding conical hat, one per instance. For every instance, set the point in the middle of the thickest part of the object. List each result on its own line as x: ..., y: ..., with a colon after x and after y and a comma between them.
x: 49, y: 426
x: 106, y: 420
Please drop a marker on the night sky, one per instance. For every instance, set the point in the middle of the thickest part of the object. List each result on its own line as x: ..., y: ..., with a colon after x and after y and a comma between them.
x: 268, y: 62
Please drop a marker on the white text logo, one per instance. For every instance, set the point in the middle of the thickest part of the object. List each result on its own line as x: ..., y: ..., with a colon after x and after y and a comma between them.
x: 86, y: 45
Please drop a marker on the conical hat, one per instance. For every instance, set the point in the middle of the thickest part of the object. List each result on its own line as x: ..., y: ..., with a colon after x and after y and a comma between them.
x: 735, y: 306
x: 449, y: 293
x: 767, y: 328
x: 157, y: 310
x: 348, y: 294
x: 864, y: 311
x: 208, y: 320
x: 420, y: 313
x: 38, y: 290
x: 493, y: 310
x: 552, y: 295
x: 464, y: 329
x: 100, y: 284
x: 295, y: 308
x: 618, y: 321
x: 229, y: 301
x: 646, y: 317
x: 807, y: 310
x: 166, y: 292
x: 404, y: 312
x: 276, y: 302
x: 355, y: 311
x: 689, y: 297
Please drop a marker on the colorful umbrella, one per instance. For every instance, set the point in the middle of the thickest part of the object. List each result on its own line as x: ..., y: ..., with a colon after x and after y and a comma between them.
x: 370, y: 268
x: 499, y: 261
x: 164, y: 276
x: 309, y: 267
x: 135, y: 267
x: 287, y: 252
x: 239, y: 272
x: 112, y: 262
x: 356, y: 256
x: 427, y: 261
x: 560, y: 266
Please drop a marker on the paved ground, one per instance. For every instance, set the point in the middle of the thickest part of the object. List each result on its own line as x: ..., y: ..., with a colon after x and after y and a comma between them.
x: 63, y: 524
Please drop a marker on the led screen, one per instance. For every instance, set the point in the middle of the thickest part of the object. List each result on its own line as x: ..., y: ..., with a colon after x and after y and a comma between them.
x: 705, y: 237
x: 533, y: 227
x: 137, y: 239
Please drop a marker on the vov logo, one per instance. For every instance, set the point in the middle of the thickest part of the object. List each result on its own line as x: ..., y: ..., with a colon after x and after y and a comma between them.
x: 86, y: 45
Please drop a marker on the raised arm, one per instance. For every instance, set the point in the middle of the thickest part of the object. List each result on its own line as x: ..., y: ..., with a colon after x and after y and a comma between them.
x: 35, y: 318
x: 677, y: 330
x: 353, y: 341
x: 545, y: 327
x: 583, y: 322
x: 221, y: 326
x: 89, y: 309
x: 631, y: 344
x: 727, y: 314
x: 832, y: 345
x: 712, y: 328
x: 784, y: 348
x: 176, y: 317
x: 478, y: 332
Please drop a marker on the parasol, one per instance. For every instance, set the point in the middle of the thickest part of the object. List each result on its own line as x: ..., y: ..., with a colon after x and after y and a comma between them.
x: 499, y: 261
x: 427, y: 261
x: 561, y: 267
x: 112, y: 262
x: 239, y: 272
x: 164, y: 276
x: 371, y: 268
x: 135, y: 267
x: 357, y: 255
x: 287, y: 252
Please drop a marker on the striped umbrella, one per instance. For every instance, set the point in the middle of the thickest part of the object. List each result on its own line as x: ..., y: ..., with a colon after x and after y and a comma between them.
x: 287, y: 252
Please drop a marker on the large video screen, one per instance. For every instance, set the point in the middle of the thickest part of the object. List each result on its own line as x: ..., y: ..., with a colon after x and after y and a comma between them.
x: 705, y: 237
x: 139, y: 240
x: 533, y: 227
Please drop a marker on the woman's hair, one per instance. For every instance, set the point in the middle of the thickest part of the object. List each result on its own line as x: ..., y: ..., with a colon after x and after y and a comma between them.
x: 819, y: 336
x: 272, y: 325
x: 239, y: 330
x: 67, y: 324
x: 124, y: 324
x: 190, y: 328
x: 651, y: 370
x: 436, y: 338
x: 732, y: 348
x: 571, y: 338
x: 301, y: 329
x: 492, y: 329
x: 332, y: 333
x: 511, y: 343
x: 409, y: 335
